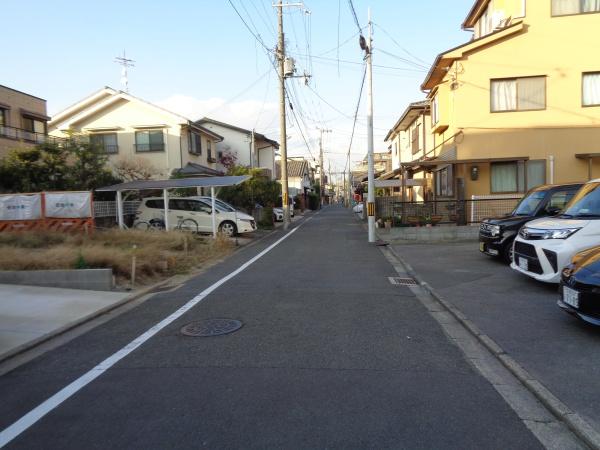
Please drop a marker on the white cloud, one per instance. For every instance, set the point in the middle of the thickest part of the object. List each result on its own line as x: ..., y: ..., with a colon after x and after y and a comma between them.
x: 245, y: 114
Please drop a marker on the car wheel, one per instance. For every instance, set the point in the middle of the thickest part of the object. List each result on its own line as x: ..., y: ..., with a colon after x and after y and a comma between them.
x: 228, y: 228
x: 507, y: 253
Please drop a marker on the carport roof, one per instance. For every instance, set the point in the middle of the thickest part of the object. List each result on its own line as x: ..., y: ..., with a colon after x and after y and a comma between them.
x: 139, y: 185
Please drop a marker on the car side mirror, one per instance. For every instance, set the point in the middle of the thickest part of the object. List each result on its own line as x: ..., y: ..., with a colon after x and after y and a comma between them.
x: 552, y: 210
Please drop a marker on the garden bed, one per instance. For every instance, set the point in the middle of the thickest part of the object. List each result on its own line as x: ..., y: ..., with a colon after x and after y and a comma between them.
x: 158, y: 254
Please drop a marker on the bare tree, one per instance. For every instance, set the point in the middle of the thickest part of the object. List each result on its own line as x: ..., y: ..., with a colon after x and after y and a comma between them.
x: 134, y: 168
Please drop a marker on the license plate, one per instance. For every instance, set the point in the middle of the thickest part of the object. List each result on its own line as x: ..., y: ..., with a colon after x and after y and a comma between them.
x: 571, y: 297
x: 481, y: 247
x: 524, y: 264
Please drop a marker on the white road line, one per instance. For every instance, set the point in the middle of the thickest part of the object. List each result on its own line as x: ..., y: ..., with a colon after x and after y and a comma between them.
x: 29, y: 419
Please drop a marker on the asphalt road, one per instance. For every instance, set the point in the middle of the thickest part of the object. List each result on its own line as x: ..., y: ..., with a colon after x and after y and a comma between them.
x: 331, y: 355
x: 521, y: 315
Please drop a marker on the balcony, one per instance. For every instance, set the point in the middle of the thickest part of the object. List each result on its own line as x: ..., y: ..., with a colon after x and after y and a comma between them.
x: 19, y: 134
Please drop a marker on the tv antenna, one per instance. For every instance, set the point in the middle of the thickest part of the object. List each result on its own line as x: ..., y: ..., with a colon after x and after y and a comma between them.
x: 125, y: 63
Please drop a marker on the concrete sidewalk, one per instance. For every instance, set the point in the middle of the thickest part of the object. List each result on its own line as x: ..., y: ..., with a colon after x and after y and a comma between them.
x: 29, y: 315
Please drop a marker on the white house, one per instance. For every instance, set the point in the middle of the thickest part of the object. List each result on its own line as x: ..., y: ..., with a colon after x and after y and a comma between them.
x: 139, y: 135
x: 251, y: 149
x: 299, y: 176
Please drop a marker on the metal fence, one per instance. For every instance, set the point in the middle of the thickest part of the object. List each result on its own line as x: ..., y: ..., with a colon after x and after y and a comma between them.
x: 459, y: 212
x: 109, y: 208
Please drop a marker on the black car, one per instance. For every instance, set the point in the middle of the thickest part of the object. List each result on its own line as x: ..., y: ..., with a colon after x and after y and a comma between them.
x: 496, y: 234
x: 580, y: 286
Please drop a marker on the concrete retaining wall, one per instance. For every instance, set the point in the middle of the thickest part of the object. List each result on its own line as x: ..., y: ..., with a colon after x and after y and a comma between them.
x: 440, y: 233
x: 89, y: 279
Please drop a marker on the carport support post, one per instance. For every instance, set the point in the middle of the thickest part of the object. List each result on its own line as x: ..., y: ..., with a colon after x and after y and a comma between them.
x: 166, y: 201
x: 120, y: 210
x: 213, y: 212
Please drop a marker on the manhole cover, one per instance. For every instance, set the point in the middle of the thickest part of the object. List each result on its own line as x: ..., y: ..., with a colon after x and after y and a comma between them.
x: 211, y: 327
x: 402, y: 281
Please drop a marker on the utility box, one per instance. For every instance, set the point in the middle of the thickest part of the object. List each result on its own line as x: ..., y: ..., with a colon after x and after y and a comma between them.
x: 289, y: 67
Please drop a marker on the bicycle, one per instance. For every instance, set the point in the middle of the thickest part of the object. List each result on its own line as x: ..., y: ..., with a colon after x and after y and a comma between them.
x: 159, y: 225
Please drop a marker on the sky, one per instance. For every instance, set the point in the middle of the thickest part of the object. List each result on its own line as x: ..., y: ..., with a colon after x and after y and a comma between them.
x: 198, y: 58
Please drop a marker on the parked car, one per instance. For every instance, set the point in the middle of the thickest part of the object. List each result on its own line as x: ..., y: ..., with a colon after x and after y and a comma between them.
x: 220, y: 204
x: 278, y: 210
x: 192, y: 214
x: 545, y: 246
x: 580, y: 286
x: 496, y: 234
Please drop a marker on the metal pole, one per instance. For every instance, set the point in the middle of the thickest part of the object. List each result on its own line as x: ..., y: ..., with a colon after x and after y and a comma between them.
x: 120, y: 210
x: 371, y: 173
x: 282, y: 122
x: 321, y: 169
x: 253, y: 150
x: 166, y: 201
x: 214, y: 212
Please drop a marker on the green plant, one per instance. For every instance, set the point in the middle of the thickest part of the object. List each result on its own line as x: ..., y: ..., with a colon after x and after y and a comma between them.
x: 81, y: 263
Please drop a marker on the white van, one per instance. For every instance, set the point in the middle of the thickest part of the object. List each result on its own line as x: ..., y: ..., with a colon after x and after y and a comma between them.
x: 191, y: 214
x: 544, y: 247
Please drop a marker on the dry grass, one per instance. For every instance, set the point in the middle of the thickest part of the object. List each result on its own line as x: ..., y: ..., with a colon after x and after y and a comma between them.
x: 158, y: 254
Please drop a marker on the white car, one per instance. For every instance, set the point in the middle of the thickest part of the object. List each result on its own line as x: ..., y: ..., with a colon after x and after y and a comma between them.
x: 278, y: 214
x: 544, y: 247
x: 191, y: 214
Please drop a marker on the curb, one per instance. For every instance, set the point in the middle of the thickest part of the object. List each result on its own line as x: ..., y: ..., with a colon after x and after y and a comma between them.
x: 130, y: 298
x: 572, y: 419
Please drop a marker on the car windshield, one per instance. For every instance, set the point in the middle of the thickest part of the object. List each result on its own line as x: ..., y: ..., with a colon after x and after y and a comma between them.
x: 529, y: 203
x: 586, y: 203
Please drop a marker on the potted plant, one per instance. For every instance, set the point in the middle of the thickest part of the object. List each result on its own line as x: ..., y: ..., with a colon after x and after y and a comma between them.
x: 435, y: 219
x: 387, y: 221
x: 413, y: 220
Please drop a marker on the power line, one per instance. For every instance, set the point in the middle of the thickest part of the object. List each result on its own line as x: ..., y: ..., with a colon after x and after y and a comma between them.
x: 362, y: 85
x: 400, y: 46
x: 405, y: 60
x: 355, y: 16
x: 257, y: 37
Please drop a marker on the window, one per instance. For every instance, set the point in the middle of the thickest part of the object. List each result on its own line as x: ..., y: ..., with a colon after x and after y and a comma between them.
x: 504, y: 177
x: 195, y: 144
x: 517, y: 176
x: 188, y: 205
x: 209, y: 155
x: 415, y: 139
x: 518, y: 94
x: 34, y: 126
x: 560, y: 199
x: 444, y: 182
x: 395, y: 148
x: 569, y: 7
x: 435, y: 118
x: 149, y: 141
x: 107, y: 141
x: 2, y: 117
x: 591, y: 89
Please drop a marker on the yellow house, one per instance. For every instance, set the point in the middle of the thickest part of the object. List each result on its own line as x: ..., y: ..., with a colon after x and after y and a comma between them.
x: 519, y: 104
x: 141, y: 139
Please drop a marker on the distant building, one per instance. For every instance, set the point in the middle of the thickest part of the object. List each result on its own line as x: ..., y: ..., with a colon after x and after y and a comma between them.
x: 134, y: 132
x: 251, y: 149
x: 23, y: 119
x: 300, y: 176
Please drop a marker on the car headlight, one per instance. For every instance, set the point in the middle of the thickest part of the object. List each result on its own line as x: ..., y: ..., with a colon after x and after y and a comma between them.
x: 560, y: 234
x: 494, y: 230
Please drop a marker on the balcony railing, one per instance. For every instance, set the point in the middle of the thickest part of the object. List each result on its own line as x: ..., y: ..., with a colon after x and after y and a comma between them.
x: 19, y: 134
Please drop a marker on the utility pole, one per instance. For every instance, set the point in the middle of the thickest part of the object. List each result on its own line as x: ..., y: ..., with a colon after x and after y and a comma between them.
x: 371, y: 170
x: 282, y: 122
x: 252, y: 150
x: 283, y: 131
x: 321, y: 166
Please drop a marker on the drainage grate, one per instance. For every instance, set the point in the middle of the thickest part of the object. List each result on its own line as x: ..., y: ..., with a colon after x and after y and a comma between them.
x: 402, y: 281
x: 211, y: 327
